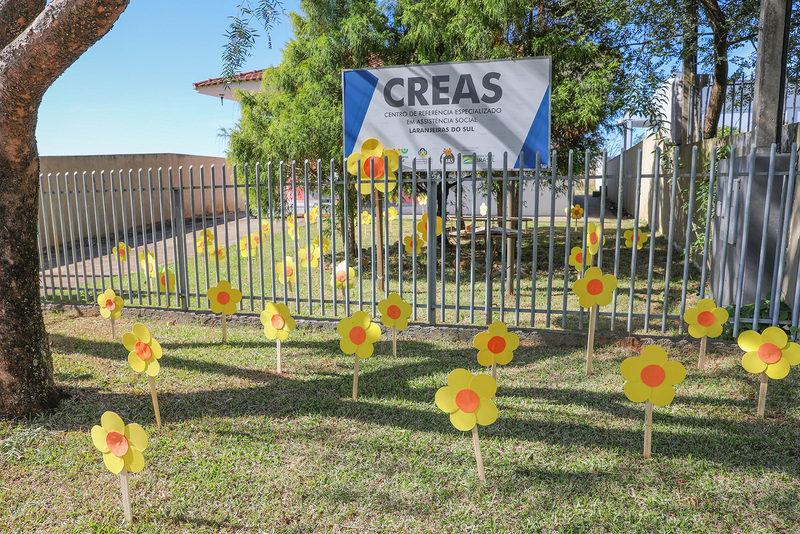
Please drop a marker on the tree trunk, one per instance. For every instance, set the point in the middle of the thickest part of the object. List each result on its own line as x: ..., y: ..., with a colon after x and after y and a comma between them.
x: 34, y: 51
x: 716, y: 100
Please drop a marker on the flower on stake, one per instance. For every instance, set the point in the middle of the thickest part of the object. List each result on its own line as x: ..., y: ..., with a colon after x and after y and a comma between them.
x: 287, y: 271
x: 366, y: 218
x: 422, y: 226
x: 278, y: 322
x: 358, y: 336
x: 575, y: 211
x: 639, y: 241
x: 166, y: 280
x: 392, y: 213
x: 265, y: 229
x: 223, y: 298
x: 147, y: 261
x: 594, y: 239
x: 651, y: 378
x: 110, y: 304
x: 121, y: 251
x: 144, y: 354
x: 394, y: 314
x: 576, y: 258
x: 122, y: 447
x: 495, y: 346
x: 313, y: 215
x: 593, y: 290
x: 342, y: 275
x: 705, y: 321
x: 304, y: 259
x: 326, y: 244
x: 374, y: 157
x: 416, y: 242
x: 769, y: 353
x: 468, y: 400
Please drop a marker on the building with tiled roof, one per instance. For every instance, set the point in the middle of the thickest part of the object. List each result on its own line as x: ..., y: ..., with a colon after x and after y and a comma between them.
x: 246, y: 81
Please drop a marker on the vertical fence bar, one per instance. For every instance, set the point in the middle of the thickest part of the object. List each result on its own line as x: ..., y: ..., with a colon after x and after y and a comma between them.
x: 488, y: 230
x: 762, y: 257
x: 459, y: 208
x: 587, y: 160
x: 88, y: 227
x: 653, y: 230
x: 728, y: 210
x: 603, y: 193
x: 320, y: 246
x: 64, y: 242
x: 196, y: 239
x: 784, y: 243
x: 431, y: 267
x: 374, y: 271
x: 709, y: 211
x: 668, y: 267
x: 518, y: 267
x: 227, y: 226
x: 535, y: 252
x: 143, y: 218
x: 46, y: 232
x: 552, y: 239
x: 89, y: 298
x: 114, y: 225
x: 745, y: 235
x: 100, y: 255
x: 687, y: 253
x: 473, y: 243
x: 271, y: 214
x: 779, y: 253
x: 135, y: 237
x: 567, y: 238
x: 124, y: 231
x: 205, y: 228
x: 71, y: 237
x: 182, y: 278
x: 259, y: 229
x: 306, y: 216
x: 163, y: 241
x: 282, y: 193
x: 635, y: 241
x: 385, y: 221
x: 248, y: 238
x: 359, y: 237
x: 503, y: 236
x: 174, y: 204
x: 616, y: 244
x: 146, y: 254
x: 415, y: 238
x: 345, y: 228
x: 442, y: 241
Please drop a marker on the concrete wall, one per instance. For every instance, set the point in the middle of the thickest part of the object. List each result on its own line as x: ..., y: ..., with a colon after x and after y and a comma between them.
x: 64, y: 178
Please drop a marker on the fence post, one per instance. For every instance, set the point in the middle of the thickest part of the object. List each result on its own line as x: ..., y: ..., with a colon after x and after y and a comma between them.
x: 179, y: 234
x: 431, y: 268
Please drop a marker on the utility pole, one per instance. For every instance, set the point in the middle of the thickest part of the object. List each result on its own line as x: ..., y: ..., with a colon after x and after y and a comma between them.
x: 770, y: 82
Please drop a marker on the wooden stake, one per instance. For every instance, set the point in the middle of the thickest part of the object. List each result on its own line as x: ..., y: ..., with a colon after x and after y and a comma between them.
x: 394, y: 341
x: 494, y: 371
x: 113, y: 330
x: 355, y: 378
x: 152, y: 381
x: 701, y: 360
x: 590, y: 342
x: 478, y: 458
x: 224, y: 328
x: 648, y: 428
x: 126, y: 496
x: 762, y: 395
x: 279, y: 357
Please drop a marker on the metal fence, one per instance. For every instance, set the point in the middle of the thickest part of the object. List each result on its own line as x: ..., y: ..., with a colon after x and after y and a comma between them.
x: 504, y: 251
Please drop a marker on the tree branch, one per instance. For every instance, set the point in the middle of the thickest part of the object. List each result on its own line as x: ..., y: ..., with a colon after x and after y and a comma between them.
x: 15, y: 16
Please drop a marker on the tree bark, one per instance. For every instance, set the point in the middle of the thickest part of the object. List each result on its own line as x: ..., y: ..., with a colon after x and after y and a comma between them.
x: 716, y: 100
x: 38, y: 44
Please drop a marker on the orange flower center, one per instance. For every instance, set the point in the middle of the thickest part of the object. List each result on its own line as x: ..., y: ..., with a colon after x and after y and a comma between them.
x: 393, y: 312
x: 223, y: 297
x: 143, y: 350
x: 594, y: 286
x: 289, y: 271
x: 769, y: 353
x: 593, y: 239
x: 579, y: 257
x: 358, y: 335
x: 378, y: 163
x: 467, y: 400
x: 117, y: 443
x: 705, y: 318
x: 496, y: 345
x: 278, y: 321
x: 653, y: 375
x: 341, y: 276
x: 111, y: 305
x: 164, y: 280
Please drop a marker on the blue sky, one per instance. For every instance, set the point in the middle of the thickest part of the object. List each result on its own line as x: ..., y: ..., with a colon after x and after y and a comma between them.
x: 132, y: 91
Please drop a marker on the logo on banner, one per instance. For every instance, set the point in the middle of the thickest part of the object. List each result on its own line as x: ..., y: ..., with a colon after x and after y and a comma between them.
x: 422, y: 152
x: 447, y: 156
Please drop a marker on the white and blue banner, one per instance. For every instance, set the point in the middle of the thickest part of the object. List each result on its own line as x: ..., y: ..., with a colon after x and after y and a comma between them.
x: 438, y: 110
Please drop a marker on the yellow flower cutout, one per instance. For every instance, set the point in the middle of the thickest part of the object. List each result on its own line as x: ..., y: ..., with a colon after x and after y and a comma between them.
x: 366, y: 218
x: 422, y: 225
x: 286, y: 271
x: 372, y: 157
x: 304, y: 260
x: 341, y: 276
x: 770, y: 352
x: 110, y: 304
x: 394, y: 312
x: 593, y: 238
x: 496, y: 345
x: 468, y: 399
x: 651, y: 377
x: 575, y: 211
x: 147, y: 261
x: 639, y: 241
x: 121, y: 444
x: 144, y: 350
x: 203, y: 246
x: 706, y: 319
x: 313, y: 215
x: 166, y: 280
x: 224, y: 298
x: 358, y: 334
x: 416, y: 242
x: 277, y: 320
x: 326, y: 244
x: 265, y: 228
x: 290, y: 226
x: 392, y: 213
x: 245, y: 246
x: 576, y: 258
x: 121, y: 251
x: 220, y: 254
x: 594, y: 288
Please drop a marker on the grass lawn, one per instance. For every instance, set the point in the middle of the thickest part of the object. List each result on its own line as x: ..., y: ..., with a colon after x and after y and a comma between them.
x: 244, y: 449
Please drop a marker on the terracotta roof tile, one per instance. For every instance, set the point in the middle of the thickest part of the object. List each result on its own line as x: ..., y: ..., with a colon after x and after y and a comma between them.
x: 252, y: 76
